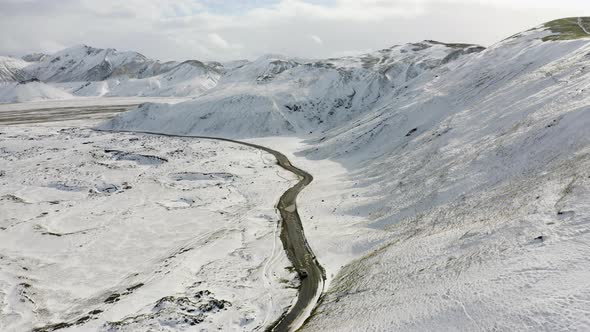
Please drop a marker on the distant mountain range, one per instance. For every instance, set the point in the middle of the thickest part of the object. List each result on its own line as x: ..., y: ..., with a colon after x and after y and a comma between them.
x: 88, y: 71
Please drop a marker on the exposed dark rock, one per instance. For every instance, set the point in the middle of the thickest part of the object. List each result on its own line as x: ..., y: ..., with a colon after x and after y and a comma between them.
x: 411, y: 132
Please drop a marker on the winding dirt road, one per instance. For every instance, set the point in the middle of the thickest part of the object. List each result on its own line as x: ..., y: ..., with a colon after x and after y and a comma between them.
x: 311, y: 273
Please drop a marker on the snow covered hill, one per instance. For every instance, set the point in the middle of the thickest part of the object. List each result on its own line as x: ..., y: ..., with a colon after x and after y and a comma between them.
x: 468, y: 167
x: 30, y: 91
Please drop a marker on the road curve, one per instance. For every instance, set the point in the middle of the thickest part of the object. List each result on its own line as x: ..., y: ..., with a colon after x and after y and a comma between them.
x: 311, y: 273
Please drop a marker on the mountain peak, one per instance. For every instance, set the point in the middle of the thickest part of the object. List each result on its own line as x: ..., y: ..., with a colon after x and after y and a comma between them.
x: 451, y: 45
x: 272, y: 57
x: 568, y: 28
x: 34, y: 57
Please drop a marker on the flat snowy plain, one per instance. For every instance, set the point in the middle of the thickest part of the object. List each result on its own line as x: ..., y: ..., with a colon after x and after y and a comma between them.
x: 120, y: 231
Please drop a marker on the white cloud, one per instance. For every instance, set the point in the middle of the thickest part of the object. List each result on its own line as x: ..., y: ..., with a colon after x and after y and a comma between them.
x: 218, y: 41
x: 317, y: 39
x: 181, y: 29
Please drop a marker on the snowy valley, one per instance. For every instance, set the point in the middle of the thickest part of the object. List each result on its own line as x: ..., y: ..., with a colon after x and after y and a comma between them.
x: 451, y: 188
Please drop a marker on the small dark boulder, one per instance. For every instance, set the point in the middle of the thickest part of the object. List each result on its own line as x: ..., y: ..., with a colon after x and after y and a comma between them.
x: 411, y: 132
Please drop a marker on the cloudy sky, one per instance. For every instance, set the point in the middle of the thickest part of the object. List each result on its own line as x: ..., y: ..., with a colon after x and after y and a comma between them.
x: 237, y: 29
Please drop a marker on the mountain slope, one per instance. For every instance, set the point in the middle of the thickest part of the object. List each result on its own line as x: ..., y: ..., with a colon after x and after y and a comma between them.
x: 11, y: 69
x: 481, y: 180
x: 35, y: 57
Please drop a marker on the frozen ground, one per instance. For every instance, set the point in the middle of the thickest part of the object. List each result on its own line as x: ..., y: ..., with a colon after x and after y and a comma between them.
x: 105, y: 231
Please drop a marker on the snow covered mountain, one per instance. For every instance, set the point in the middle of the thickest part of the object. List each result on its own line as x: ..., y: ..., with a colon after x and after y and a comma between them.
x: 284, y: 96
x: 85, y: 71
x: 189, y: 78
x: 85, y: 63
x: 15, y: 88
x: 469, y: 167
